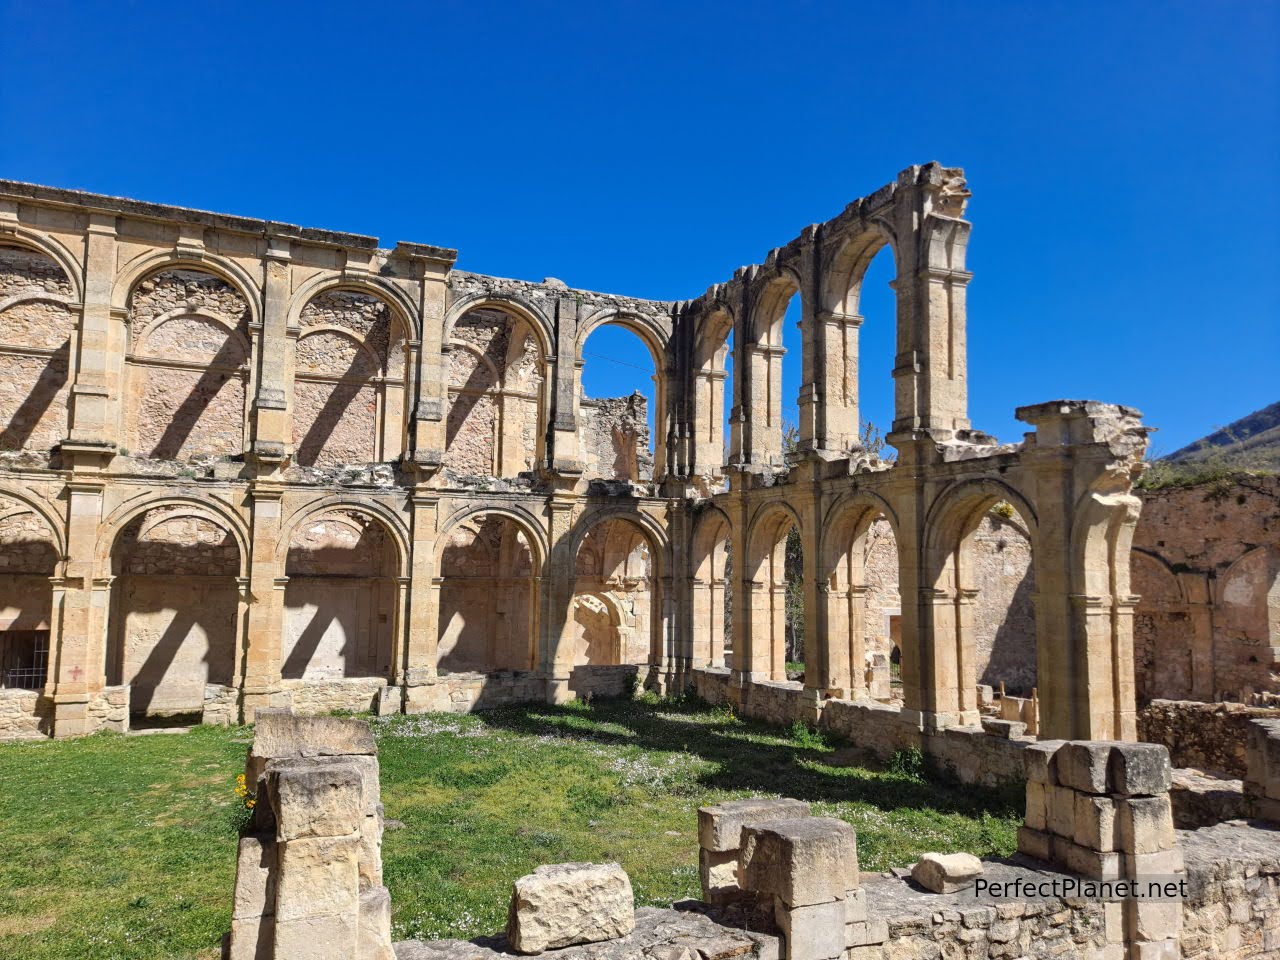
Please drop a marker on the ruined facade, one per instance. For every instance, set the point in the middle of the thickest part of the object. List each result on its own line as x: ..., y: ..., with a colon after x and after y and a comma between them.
x: 247, y: 464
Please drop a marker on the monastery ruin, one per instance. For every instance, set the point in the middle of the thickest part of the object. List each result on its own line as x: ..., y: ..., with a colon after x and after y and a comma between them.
x: 245, y: 464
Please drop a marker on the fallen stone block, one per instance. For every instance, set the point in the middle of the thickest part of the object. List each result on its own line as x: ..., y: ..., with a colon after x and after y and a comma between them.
x: 1004, y: 729
x: 720, y: 826
x: 568, y: 903
x: 946, y: 872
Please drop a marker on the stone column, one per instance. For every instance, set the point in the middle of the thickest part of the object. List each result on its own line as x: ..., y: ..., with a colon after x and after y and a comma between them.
x: 556, y: 661
x: 79, y: 636
x: 837, y: 414
x: 1195, y: 587
x: 261, y: 683
x: 431, y: 266
x: 423, y: 634
x: 563, y: 452
x: 931, y: 391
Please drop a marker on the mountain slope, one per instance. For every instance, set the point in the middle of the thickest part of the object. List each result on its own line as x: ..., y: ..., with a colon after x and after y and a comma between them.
x: 1252, y: 442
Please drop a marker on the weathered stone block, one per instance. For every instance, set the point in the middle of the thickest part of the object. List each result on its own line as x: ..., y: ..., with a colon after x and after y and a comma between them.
x: 1166, y: 863
x: 1160, y: 950
x: 373, y: 940
x: 567, y: 903
x: 1094, y: 864
x: 1060, y: 808
x: 1262, y: 758
x: 718, y: 871
x: 255, y: 890
x: 278, y: 733
x: 1039, y: 761
x: 316, y: 799
x: 1035, y: 843
x: 802, y: 862
x: 866, y: 933
x: 855, y: 906
x: 1036, y: 816
x: 946, y: 872
x: 720, y: 826
x: 251, y: 938
x: 1096, y: 827
x: 1082, y: 765
x: 319, y: 876
x: 812, y: 932
x: 1151, y: 921
x: 1146, y: 824
x: 1140, y: 769
x: 323, y: 937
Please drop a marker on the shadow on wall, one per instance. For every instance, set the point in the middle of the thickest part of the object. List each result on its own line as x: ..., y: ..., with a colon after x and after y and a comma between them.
x: 174, y: 608
x: 50, y: 381
x: 340, y: 599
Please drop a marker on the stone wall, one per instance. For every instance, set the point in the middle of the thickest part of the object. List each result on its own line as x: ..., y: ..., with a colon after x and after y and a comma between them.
x: 1206, y: 563
x: 614, y: 438
x: 1207, y: 736
x: 24, y: 715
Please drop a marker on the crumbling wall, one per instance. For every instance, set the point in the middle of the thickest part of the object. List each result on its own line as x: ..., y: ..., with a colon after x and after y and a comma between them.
x: 36, y: 326
x: 613, y: 436
x: 1206, y: 565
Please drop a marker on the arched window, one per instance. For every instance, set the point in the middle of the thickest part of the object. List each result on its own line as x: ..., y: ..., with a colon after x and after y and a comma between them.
x: 618, y: 406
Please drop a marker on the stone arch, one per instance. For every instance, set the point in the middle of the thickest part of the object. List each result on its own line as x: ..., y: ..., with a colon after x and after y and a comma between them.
x: 762, y: 393
x: 211, y: 509
x: 14, y: 235
x: 1163, y: 638
x: 38, y: 331
x: 31, y: 545
x: 712, y: 589
x: 187, y: 363
x: 980, y: 617
x: 528, y: 312
x: 711, y: 388
x: 175, y: 605
x: 372, y: 510
x: 619, y: 559
x: 153, y: 262
x: 842, y: 273
x: 488, y: 565
x: 765, y: 574
x: 859, y: 567
x: 496, y: 381
x: 353, y: 372
x: 343, y: 593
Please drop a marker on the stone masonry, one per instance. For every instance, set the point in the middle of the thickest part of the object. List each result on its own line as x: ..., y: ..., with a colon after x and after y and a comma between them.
x: 245, y: 460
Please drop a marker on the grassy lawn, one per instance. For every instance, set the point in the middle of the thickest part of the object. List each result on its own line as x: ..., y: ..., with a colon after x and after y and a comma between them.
x: 124, y: 847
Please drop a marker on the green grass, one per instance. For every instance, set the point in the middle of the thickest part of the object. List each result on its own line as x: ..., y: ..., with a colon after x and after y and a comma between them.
x: 124, y: 846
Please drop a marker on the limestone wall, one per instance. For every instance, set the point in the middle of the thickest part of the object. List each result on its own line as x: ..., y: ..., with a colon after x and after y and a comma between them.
x: 1207, y: 736
x: 24, y: 715
x: 1207, y: 565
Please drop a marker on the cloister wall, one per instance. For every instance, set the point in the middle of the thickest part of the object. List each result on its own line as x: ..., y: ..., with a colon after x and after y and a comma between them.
x: 300, y: 436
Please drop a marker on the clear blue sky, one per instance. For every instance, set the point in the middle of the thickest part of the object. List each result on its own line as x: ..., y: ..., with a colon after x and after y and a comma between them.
x: 1124, y: 157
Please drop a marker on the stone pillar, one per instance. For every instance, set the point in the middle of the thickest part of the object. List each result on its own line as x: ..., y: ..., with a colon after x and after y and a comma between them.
x: 556, y: 661
x: 563, y: 453
x: 423, y: 635
x: 930, y: 378
x: 431, y: 265
x: 762, y: 407
x: 309, y: 882
x: 1081, y: 461
x: 838, y: 428
x: 1102, y: 810
x: 79, y: 634
x: 261, y: 683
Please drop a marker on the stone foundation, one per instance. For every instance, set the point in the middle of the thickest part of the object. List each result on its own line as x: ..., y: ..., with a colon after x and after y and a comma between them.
x: 25, y: 715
